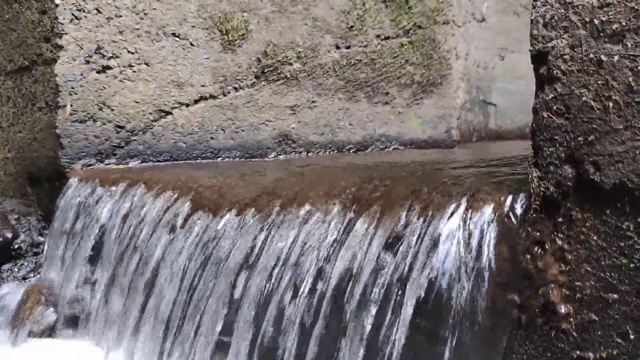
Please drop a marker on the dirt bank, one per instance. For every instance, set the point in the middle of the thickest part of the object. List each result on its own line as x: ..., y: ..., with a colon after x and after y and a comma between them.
x: 203, y: 80
x: 582, y: 300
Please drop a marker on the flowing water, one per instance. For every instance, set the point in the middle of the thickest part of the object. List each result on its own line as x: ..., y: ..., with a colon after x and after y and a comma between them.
x: 143, y: 275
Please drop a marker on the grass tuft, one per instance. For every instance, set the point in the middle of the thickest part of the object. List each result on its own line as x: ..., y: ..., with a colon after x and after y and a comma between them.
x: 233, y: 30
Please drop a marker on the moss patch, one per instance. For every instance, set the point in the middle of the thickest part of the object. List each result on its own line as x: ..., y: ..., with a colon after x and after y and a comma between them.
x: 407, y: 52
x: 233, y: 30
x: 387, y: 44
x: 406, y: 63
x: 361, y: 16
x: 279, y: 63
x: 414, y: 16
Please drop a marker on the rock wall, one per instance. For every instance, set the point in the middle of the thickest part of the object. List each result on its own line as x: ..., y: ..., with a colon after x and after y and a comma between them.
x: 160, y: 80
x: 29, y: 144
x: 30, y: 168
x: 584, y: 241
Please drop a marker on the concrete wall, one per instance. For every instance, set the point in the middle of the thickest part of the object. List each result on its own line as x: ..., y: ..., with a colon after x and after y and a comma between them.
x: 161, y: 80
x: 581, y: 298
x: 29, y: 145
x: 492, y: 68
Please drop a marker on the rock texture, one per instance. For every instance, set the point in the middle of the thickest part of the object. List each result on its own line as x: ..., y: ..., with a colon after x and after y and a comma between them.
x: 200, y: 79
x: 30, y: 168
x: 35, y: 315
x: 584, y: 237
x: 25, y: 252
x: 29, y: 145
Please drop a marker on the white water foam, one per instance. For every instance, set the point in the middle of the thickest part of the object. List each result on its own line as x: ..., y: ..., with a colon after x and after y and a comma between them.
x: 54, y: 349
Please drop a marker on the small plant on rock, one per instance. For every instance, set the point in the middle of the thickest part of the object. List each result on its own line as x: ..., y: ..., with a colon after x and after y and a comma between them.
x: 233, y: 30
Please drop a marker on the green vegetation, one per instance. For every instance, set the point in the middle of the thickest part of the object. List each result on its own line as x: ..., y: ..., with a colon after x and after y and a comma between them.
x: 233, y: 30
x: 409, y: 55
x: 412, y: 16
x: 386, y: 44
x: 361, y: 16
x: 280, y: 63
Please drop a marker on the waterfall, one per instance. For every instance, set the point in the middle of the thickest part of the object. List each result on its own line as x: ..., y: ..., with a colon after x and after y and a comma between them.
x: 146, y: 277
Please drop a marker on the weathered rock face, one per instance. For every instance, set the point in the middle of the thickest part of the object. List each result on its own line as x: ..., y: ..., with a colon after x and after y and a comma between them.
x: 29, y: 145
x: 584, y: 239
x: 201, y: 79
x: 30, y: 168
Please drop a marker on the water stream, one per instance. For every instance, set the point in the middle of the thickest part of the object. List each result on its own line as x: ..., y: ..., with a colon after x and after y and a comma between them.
x: 145, y: 277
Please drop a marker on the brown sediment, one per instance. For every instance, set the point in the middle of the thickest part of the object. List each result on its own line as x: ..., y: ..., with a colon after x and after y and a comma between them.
x: 429, y: 179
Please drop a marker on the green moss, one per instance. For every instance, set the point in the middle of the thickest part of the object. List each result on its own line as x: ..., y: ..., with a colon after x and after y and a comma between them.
x: 361, y: 16
x: 413, y: 16
x: 233, y: 30
x: 408, y: 63
x: 281, y: 63
x: 406, y: 16
x: 408, y: 56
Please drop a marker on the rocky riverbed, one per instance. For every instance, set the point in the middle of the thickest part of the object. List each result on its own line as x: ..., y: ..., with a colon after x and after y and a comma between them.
x: 22, y: 235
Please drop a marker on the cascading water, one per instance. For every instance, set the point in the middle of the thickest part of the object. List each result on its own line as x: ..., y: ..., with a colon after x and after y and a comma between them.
x: 147, y: 278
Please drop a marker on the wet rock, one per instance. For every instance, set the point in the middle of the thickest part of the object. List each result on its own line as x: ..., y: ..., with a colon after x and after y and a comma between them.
x: 73, y: 314
x: 27, y: 249
x: 8, y: 236
x: 36, y: 314
x: 10, y: 294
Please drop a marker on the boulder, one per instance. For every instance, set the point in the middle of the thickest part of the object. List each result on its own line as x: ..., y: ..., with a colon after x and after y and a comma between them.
x: 36, y: 314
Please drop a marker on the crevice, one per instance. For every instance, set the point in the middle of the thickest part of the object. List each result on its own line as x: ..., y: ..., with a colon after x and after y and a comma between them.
x: 29, y: 67
x: 589, y: 191
x: 593, y: 193
x: 541, y: 71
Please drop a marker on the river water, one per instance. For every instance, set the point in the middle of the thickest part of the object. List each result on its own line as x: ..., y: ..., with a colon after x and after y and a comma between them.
x: 345, y: 259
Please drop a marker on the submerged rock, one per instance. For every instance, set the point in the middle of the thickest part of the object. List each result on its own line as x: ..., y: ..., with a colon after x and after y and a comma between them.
x: 10, y: 294
x: 36, y: 315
